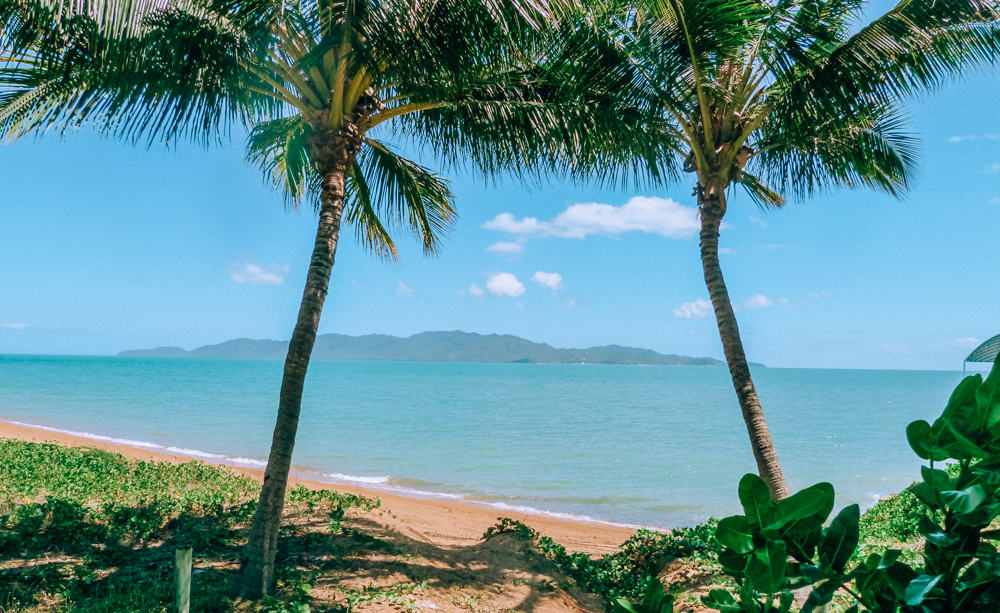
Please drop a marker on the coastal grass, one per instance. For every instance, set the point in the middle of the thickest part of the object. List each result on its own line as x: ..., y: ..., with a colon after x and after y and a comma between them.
x: 87, y: 530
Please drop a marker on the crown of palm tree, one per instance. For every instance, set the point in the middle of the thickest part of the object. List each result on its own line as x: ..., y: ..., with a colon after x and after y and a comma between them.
x: 471, y: 81
x: 782, y: 98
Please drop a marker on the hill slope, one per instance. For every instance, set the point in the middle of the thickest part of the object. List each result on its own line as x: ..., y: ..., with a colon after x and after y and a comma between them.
x: 428, y: 346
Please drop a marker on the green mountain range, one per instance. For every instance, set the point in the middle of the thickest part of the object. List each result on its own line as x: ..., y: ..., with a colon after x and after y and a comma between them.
x: 429, y: 346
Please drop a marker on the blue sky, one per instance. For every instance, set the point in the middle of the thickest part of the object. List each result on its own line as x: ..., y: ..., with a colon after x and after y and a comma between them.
x: 107, y: 247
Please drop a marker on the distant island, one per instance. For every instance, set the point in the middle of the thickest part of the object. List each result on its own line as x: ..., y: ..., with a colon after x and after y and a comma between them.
x: 430, y: 347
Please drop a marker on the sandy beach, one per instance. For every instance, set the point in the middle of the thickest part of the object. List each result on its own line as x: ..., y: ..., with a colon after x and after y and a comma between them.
x: 442, y: 523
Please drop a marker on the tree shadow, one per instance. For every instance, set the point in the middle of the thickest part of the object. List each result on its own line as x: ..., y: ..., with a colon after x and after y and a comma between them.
x: 56, y: 550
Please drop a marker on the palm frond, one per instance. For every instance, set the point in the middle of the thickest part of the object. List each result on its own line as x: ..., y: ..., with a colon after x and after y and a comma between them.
x: 280, y: 149
x: 397, y: 192
x: 916, y: 46
x: 870, y: 146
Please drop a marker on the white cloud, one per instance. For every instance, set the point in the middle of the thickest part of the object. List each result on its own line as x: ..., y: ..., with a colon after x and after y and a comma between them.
x: 640, y: 214
x: 506, y: 248
x: 965, y: 341
x: 504, y: 284
x: 14, y: 325
x: 249, y: 272
x: 551, y: 280
x: 758, y: 221
x: 992, y: 169
x: 993, y: 201
x: 405, y: 290
x: 571, y: 304
x: 758, y: 301
x: 823, y: 294
x: 476, y: 291
x: 962, y: 139
x: 725, y: 250
x: 697, y: 309
x: 785, y: 302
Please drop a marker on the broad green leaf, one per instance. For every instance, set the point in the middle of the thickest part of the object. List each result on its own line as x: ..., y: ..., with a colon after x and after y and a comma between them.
x: 654, y: 596
x: 918, y: 435
x: 941, y: 539
x: 766, y: 570
x: 732, y: 563
x: 840, y: 539
x: 821, y: 595
x: 888, y: 559
x: 927, y: 495
x: 734, y: 533
x: 622, y: 605
x: 919, y: 588
x: 964, y: 501
x: 965, y: 448
x: 812, y: 501
x: 988, y: 396
x: 756, y: 499
x: 964, y: 394
x: 937, y: 479
x: 721, y: 600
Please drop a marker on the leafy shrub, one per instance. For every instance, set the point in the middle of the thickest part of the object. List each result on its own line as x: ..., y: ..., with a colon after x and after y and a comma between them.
x: 628, y: 572
x: 896, y: 518
x: 506, y: 525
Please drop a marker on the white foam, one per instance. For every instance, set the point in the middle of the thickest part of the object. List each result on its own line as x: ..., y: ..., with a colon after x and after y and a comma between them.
x: 358, y: 479
x: 92, y: 436
x: 194, y: 452
x: 564, y: 516
x: 181, y: 451
x: 381, y: 483
x: 241, y: 461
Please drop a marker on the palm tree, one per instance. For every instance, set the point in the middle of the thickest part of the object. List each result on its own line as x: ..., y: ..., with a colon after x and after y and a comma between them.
x: 781, y: 98
x: 319, y: 81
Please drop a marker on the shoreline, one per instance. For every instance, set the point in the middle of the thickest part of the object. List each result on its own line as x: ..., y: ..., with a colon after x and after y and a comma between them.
x: 444, y: 522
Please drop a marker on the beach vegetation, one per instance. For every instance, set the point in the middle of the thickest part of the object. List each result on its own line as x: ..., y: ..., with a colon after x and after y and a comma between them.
x: 783, y: 100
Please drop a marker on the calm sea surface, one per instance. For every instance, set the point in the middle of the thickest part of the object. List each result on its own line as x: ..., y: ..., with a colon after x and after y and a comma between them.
x: 661, y: 446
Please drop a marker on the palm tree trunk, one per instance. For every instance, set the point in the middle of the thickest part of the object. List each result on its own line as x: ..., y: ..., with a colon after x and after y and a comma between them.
x: 768, y: 466
x: 257, y: 576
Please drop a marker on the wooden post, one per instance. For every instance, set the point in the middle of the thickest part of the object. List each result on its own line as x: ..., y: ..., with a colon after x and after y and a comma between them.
x: 182, y: 581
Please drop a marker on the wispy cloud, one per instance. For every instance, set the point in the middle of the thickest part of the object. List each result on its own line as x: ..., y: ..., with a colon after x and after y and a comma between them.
x: 476, y: 291
x: 640, y: 214
x: 823, y: 294
x: 504, y: 284
x: 551, y: 280
x: 506, y: 248
x: 248, y: 272
x: 758, y: 221
x: 758, y: 301
x: 992, y: 169
x: 405, y: 290
x: 993, y: 200
x: 696, y: 309
x: 14, y: 325
x: 571, y: 304
x: 964, y: 341
x: 962, y: 139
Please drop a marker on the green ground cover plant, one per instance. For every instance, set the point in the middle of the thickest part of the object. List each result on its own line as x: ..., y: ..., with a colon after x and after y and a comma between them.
x: 87, y: 530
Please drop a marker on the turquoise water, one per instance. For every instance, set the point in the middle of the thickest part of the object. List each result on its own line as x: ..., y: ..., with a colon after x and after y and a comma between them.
x: 660, y: 446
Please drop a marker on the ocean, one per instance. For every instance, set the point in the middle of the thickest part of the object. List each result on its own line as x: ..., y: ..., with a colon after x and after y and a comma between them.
x: 656, y: 446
